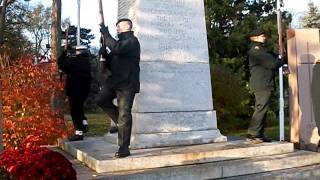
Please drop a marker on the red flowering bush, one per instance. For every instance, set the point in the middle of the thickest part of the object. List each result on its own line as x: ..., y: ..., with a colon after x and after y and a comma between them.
x: 27, y: 92
x: 29, y: 118
x: 36, y: 164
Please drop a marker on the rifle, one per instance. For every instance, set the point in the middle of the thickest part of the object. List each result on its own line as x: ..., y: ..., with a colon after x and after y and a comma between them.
x: 103, y: 60
x: 103, y: 45
x: 279, y: 22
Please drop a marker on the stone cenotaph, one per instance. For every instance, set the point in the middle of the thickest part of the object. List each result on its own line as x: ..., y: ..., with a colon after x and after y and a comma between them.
x: 174, y: 106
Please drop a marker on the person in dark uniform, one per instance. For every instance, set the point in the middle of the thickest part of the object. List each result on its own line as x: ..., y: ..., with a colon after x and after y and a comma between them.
x: 77, y: 87
x: 263, y: 64
x: 123, y: 83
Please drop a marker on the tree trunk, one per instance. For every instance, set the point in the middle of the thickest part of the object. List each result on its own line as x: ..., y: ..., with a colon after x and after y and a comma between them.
x: 1, y: 130
x: 56, y: 29
x: 57, y: 98
x: 3, y: 10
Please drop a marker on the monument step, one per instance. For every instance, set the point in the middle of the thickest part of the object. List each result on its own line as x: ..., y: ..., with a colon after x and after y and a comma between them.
x: 298, y: 173
x: 98, y: 154
x: 267, y: 167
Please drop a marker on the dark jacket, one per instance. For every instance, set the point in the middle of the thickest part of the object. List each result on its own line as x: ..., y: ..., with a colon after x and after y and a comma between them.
x: 263, y: 65
x: 78, y: 73
x: 124, y: 64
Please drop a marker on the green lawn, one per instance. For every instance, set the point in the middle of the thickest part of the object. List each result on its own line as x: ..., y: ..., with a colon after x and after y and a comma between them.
x: 272, y: 132
x: 99, y: 123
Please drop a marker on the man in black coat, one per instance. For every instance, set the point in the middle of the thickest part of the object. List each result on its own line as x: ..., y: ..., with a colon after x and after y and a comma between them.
x: 263, y: 65
x: 77, y: 87
x: 122, y: 57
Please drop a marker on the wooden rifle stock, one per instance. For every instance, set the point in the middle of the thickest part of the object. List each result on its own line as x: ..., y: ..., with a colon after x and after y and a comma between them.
x: 280, y: 42
x: 101, y: 23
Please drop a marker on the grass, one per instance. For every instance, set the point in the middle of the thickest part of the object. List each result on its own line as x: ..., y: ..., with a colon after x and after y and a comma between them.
x: 99, y: 123
x: 272, y: 132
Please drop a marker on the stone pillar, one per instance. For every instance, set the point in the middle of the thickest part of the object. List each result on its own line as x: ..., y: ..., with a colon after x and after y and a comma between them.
x: 174, y: 106
x: 304, y: 87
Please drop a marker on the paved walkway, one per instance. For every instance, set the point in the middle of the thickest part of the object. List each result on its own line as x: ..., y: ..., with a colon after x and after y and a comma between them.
x: 83, y: 172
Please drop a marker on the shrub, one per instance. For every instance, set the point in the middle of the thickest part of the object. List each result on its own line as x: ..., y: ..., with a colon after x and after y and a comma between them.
x: 28, y: 116
x: 36, y: 164
x: 231, y: 98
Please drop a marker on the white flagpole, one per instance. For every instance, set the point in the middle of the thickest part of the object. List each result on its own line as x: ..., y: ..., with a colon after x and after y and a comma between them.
x: 281, y: 100
x: 78, y: 29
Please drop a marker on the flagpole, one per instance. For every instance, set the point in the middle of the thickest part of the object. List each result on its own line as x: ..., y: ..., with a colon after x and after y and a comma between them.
x: 78, y: 29
x: 281, y: 99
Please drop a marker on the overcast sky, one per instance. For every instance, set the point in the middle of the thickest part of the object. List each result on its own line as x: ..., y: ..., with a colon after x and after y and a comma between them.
x: 298, y: 8
x: 90, y: 15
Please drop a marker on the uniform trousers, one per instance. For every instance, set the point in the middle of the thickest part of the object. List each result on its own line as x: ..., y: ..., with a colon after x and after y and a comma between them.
x: 258, y: 121
x: 76, y: 102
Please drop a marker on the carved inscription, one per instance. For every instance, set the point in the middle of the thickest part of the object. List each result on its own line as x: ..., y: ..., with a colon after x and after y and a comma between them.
x: 173, y: 30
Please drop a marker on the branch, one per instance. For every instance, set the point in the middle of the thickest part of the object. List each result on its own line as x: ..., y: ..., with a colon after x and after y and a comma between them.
x: 11, y: 1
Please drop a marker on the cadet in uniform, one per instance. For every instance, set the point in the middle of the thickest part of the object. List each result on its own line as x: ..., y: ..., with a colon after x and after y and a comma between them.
x: 263, y: 65
x: 77, y: 86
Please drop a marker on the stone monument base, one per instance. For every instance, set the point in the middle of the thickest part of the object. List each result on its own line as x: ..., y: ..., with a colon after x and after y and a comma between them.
x: 171, y: 139
x: 177, y: 139
x: 164, y: 129
x: 98, y: 154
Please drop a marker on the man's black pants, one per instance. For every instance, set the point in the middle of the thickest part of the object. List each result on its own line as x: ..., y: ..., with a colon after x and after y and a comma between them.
x: 121, y: 115
x: 258, y: 121
x: 76, y: 102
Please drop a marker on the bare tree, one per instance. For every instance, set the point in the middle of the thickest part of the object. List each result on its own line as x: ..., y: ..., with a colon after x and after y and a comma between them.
x: 38, y: 25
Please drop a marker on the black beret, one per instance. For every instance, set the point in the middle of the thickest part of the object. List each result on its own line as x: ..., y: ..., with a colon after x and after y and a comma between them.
x: 257, y: 32
x: 123, y: 19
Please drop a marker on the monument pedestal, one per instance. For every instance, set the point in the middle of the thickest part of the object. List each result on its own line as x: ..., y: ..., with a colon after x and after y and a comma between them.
x: 174, y: 106
x: 172, y: 129
x: 304, y: 87
x: 98, y: 154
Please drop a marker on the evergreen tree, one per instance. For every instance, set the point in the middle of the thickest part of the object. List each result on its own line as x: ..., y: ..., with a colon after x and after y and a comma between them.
x: 85, y: 36
x: 312, y: 19
x: 229, y: 23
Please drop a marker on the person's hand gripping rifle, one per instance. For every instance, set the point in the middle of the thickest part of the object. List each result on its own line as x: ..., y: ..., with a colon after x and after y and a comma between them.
x: 103, y: 54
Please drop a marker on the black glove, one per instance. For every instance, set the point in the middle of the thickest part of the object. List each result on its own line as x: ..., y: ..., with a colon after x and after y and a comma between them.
x: 104, y: 29
x: 284, y: 59
x: 285, y: 69
x: 103, y: 52
x: 65, y: 52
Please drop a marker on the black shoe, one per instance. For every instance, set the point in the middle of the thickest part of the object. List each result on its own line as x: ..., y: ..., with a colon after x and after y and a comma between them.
x: 122, y: 152
x: 85, y: 128
x: 113, y: 129
x: 257, y: 139
x: 76, y: 138
x: 254, y: 140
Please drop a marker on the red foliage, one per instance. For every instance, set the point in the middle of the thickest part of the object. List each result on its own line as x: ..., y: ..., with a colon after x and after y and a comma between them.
x: 29, y: 118
x: 36, y: 164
